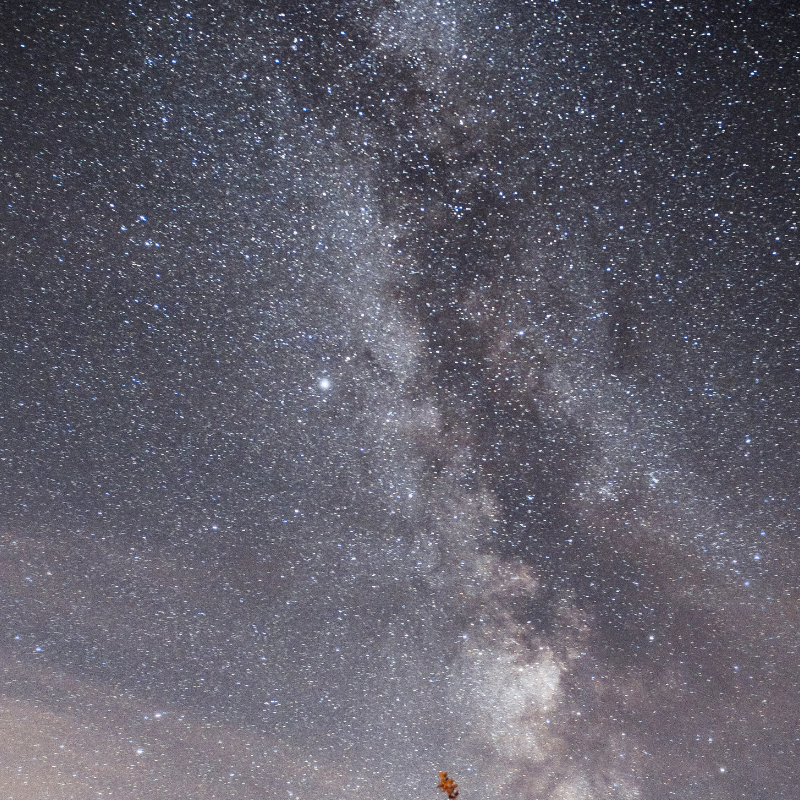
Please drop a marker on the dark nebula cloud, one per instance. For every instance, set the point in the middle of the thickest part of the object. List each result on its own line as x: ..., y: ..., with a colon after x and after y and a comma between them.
x: 394, y: 387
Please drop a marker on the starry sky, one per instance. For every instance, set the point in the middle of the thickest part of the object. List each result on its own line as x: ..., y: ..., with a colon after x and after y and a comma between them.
x: 390, y: 387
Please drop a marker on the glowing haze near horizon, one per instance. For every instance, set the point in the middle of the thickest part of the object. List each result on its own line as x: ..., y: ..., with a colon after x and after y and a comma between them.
x: 394, y: 387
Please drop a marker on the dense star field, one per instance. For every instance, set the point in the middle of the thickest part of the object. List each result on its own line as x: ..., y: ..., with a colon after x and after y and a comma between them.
x: 393, y: 387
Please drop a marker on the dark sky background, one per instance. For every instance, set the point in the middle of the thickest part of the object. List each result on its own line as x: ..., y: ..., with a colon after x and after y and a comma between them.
x: 389, y: 387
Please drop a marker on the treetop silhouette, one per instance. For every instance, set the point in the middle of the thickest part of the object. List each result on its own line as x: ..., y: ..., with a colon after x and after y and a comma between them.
x: 448, y: 786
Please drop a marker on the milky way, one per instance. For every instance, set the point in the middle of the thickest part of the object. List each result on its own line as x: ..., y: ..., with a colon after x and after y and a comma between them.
x: 396, y: 387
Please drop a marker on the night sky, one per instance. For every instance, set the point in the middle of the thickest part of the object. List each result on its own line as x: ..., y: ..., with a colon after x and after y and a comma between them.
x: 392, y: 387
